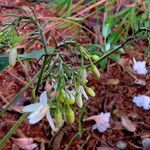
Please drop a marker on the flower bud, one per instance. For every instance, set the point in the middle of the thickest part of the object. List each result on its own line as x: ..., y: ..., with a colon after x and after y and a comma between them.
x: 95, y: 71
x: 95, y: 57
x: 90, y: 91
x: 79, y: 100
x: 82, y: 73
x: 84, y: 53
x: 62, y: 95
x: 70, y: 99
x: 58, y: 117
x: 70, y: 116
x: 12, y: 56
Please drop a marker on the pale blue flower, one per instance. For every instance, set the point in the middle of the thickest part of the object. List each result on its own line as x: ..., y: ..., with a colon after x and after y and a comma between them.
x: 142, y: 101
x: 139, y: 67
x: 102, y: 121
x: 82, y: 91
x: 39, y: 111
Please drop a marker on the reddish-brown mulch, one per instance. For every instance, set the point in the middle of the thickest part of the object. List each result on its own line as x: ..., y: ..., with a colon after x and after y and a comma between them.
x: 116, y: 99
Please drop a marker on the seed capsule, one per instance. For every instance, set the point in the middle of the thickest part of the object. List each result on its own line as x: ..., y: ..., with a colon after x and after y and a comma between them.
x: 58, y: 117
x: 90, y: 91
x: 95, y: 71
x: 95, y: 57
x: 79, y: 100
x: 70, y: 116
x: 12, y: 56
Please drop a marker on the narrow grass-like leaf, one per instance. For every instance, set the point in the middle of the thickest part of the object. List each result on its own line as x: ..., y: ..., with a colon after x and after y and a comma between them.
x: 18, y: 95
x: 12, y: 130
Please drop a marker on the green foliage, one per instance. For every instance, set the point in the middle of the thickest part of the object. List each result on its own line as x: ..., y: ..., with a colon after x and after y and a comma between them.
x: 9, y: 38
x: 34, y: 55
x: 69, y: 81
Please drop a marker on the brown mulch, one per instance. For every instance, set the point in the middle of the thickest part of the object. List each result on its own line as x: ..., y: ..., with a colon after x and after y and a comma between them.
x: 116, y: 99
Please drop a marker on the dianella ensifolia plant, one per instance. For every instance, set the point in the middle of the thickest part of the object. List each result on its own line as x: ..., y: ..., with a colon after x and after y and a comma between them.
x: 64, y: 68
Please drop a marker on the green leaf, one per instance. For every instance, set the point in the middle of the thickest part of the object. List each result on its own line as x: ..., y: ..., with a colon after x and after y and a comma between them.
x: 103, y: 63
x: 123, y: 12
x: 12, y: 130
x: 106, y: 30
x: 121, y: 51
x: 114, y: 37
x: 115, y: 57
x: 4, y: 59
x: 4, y: 62
x: 110, y: 21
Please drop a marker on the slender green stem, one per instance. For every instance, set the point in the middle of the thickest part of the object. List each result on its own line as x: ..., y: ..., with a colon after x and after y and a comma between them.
x: 12, y: 130
x: 19, y: 94
x: 80, y: 120
x: 121, y: 45
x: 41, y: 74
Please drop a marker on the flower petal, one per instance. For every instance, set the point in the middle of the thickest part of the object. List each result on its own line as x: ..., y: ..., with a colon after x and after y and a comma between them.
x: 84, y: 93
x: 43, y: 98
x: 31, y: 107
x: 50, y: 120
x: 35, y: 117
x: 139, y: 67
x: 142, y: 101
x: 101, y: 128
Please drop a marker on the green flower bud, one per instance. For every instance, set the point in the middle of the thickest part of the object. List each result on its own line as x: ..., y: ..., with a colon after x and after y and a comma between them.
x: 70, y: 99
x: 95, y: 71
x: 62, y: 95
x: 70, y: 116
x: 79, y: 100
x: 58, y: 117
x: 90, y: 91
x: 12, y: 56
x: 95, y: 57
x: 83, y: 73
x: 84, y: 53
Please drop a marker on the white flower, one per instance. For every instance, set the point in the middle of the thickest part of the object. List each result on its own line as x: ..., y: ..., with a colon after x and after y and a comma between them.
x: 39, y: 111
x: 139, y: 67
x: 142, y: 101
x: 81, y: 90
x: 102, y: 121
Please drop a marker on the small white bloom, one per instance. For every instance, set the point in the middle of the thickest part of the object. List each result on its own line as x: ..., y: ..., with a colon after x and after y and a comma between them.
x: 142, y: 101
x: 39, y: 111
x: 81, y: 90
x: 139, y: 67
x: 102, y: 121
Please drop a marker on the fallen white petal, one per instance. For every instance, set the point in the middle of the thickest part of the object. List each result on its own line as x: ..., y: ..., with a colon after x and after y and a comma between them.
x: 102, y: 121
x: 139, y: 67
x: 25, y: 143
x: 142, y: 101
x: 31, y: 107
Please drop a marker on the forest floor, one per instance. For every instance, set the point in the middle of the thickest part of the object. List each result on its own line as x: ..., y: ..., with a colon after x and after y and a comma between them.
x: 115, y: 90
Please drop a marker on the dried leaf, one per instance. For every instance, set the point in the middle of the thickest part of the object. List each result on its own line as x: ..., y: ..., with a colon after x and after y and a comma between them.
x: 130, y: 126
x: 113, y: 81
